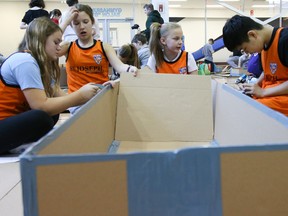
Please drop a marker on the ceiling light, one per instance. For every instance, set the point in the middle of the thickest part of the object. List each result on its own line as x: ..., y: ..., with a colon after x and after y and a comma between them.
x: 177, y: 0
x: 275, y: 1
x: 174, y: 6
x: 263, y: 6
x: 228, y: 0
x: 214, y: 6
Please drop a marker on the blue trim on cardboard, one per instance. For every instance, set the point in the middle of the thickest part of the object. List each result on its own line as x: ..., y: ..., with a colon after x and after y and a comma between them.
x: 184, y: 182
x: 262, y: 108
x: 29, y: 189
x: 175, y: 184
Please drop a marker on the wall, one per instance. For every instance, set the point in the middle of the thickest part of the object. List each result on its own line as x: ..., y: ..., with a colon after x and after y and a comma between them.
x: 193, y: 25
x: 11, y: 34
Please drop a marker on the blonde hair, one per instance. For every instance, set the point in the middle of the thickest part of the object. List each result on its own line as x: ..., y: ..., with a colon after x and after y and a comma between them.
x: 158, y: 31
x: 34, y: 42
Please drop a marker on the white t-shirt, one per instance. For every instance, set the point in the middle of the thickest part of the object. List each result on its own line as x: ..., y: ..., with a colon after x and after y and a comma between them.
x: 21, y: 69
x: 69, y: 33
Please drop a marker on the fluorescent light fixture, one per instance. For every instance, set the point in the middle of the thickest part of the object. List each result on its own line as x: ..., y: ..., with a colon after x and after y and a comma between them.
x: 275, y: 1
x: 214, y: 6
x: 263, y: 6
x: 177, y: 0
x: 174, y: 6
x: 229, y: 0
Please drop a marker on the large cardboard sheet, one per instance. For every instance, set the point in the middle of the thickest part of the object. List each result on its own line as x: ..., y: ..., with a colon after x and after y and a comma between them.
x: 91, y: 129
x: 254, y: 183
x: 164, y: 107
x: 240, y: 120
x: 83, y: 189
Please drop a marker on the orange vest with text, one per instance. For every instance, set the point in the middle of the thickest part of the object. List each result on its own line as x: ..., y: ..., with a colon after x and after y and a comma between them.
x: 275, y: 73
x: 179, y: 66
x: 85, y: 65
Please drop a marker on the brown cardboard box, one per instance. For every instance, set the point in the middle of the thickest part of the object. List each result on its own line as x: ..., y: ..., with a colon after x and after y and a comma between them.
x: 160, y: 145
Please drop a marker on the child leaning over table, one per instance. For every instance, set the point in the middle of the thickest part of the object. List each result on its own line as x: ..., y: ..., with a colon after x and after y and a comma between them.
x: 271, y: 89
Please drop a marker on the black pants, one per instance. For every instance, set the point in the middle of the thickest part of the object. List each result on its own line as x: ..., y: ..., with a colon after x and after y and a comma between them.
x: 211, y: 63
x: 24, y: 128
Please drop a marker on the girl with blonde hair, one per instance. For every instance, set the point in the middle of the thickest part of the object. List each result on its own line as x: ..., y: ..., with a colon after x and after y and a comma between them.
x: 31, y: 97
x: 167, y: 56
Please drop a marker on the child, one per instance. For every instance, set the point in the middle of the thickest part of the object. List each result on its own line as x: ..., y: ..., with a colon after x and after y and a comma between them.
x: 36, y: 10
x: 127, y: 53
x: 208, y: 53
x: 87, y: 60
x: 55, y: 15
x: 271, y: 89
x: 140, y: 42
x: 166, y: 54
x: 31, y: 98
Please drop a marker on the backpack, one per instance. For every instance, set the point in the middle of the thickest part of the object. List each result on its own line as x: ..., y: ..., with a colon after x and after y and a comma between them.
x: 204, y: 69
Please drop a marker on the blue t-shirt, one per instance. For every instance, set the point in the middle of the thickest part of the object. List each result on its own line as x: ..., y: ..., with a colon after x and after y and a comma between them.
x: 21, y: 69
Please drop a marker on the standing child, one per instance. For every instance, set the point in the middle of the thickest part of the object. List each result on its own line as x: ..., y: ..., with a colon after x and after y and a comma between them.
x: 208, y: 53
x: 87, y: 59
x: 36, y: 10
x: 271, y: 89
x: 166, y: 54
x: 31, y: 98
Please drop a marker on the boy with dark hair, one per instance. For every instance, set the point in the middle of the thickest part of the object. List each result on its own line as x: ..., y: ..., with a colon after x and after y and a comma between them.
x: 271, y: 89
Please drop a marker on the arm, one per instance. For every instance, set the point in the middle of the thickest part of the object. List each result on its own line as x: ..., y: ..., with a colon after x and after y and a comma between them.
x: 257, y: 91
x: 37, y: 99
x: 67, y: 18
x: 116, y: 63
x: 192, y: 66
x: 23, y: 25
x: 64, y: 48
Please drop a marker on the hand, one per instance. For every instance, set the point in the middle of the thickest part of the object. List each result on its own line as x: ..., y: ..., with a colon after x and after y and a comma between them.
x: 67, y: 19
x: 88, y: 91
x: 253, y: 89
x: 111, y: 82
x: 133, y: 70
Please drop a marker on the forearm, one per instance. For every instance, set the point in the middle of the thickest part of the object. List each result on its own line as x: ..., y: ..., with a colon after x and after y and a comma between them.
x: 57, y: 105
x: 37, y: 99
x: 281, y: 89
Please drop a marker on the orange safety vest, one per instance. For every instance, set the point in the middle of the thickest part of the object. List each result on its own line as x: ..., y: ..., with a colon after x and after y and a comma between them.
x: 275, y: 73
x: 179, y: 66
x: 12, y: 100
x: 85, y: 65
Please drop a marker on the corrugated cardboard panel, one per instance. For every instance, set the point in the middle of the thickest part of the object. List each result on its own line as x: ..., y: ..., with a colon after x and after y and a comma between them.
x: 88, y: 189
x: 240, y: 120
x: 254, y: 183
x: 91, y: 129
x: 164, y: 107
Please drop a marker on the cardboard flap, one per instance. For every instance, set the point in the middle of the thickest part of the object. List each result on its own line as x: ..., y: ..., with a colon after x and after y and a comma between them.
x: 164, y: 107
